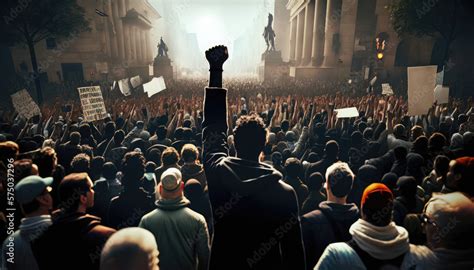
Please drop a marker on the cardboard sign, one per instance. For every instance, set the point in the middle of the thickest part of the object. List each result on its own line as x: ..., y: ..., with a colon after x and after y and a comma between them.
x: 421, y: 82
x: 154, y: 86
x: 24, y: 104
x: 124, y: 87
x: 441, y: 94
x: 151, y: 70
x: 440, y: 77
x: 387, y: 89
x: 347, y: 112
x: 92, y: 103
x: 136, y: 81
x: 372, y: 82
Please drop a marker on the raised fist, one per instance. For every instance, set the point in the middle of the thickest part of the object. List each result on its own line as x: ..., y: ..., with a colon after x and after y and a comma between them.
x: 216, y: 56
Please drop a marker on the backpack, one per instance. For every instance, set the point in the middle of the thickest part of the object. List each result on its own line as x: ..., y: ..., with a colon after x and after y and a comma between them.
x: 373, y: 263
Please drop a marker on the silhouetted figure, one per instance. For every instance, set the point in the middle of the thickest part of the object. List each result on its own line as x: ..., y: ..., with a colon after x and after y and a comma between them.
x: 269, y: 34
x: 162, y: 48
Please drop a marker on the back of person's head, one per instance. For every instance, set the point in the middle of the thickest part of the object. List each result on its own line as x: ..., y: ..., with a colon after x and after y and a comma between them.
x: 46, y: 161
x: 390, y: 180
x: 332, y: 149
x: 339, y: 179
x: 187, y: 134
x: 449, y: 219
x: 286, y: 154
x: 97, y: 163
x: 377, y: 205
x: 461, y: 175
x: 399, y: 131
x: 362, y: 126
x: 119, y: 136
x: 441, y: 165
x: 178, y: 133
x: 368, y: 133
x: 85, y: 130
x: 8, y: 150
x: 23, y: 168
x: 293, y: 167
x: 80, y: 163
x: 169, y: 156
x: 189, y: 153
x: 130, y: 248
x: 109, y: 170
x: 406, y: 186
x: 437, y: 141
x: 315, y: 181
x: 356, y: 138
x: 193, y: 189
x: 133, y: 168
x: 72, y: 189
x: 368, y: 174
x: 154, y: 155
x: 249, y: 136
x: 109, y: 129
x: 161, y: 132
x: 312, y: 157
x: 75, y: 138
x: 150, y: 167
x: 420, y: 145
x: 400, y: 153
x: 277, y: 158
x: 417, y: 131
x: 140, y: 125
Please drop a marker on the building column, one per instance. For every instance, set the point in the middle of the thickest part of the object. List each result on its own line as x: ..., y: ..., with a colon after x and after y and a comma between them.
x: 133, y: 47
x: 118, y: 28
x: 347, y: 30
x: 292, y: 39
x: 308, y: 32
x: 149, y: 53
x: 143, y: 42
x: 138, y: 38
x: 299, y: 37
x: 112, y: 32
x: 317, y: 53
x: 333, y: 20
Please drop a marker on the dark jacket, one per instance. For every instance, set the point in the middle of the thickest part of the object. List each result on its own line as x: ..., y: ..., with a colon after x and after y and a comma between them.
x: 318, y: 230
x: 74, y: 241
x: 254, y: 211
x: 311, y: 203
x: 300, y: 189
x: 128, y: 208
x: 320, y: 166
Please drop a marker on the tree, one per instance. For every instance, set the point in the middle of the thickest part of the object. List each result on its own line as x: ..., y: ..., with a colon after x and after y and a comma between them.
x: 28, y: 22
x: 438, y: 18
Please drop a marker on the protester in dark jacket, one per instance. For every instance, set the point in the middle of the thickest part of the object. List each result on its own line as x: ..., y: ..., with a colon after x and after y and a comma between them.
x: 127, y: 209
x: 192, y: 169
x: 315, y: 197
x: 331, y: 153
x: 200, y: 203
x: 293, y: 169
x: 332, y: 221
x: 75, y: 239
x: 367, y: 175
x: 251, y: 204
x: 407, y: 201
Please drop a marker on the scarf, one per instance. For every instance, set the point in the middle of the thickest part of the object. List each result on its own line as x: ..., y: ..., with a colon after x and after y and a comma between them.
x: 383, y: 243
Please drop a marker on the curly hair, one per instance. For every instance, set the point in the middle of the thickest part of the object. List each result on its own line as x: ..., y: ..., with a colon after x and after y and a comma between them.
x: 250, y: 136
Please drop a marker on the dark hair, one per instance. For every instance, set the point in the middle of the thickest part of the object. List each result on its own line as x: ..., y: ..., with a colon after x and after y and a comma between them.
x: 119, y: 136
x: 97, y: 164
x: 161, y: 132
x: 169, y: 156
x: 285, y: 125
x: 22, y: 169
x: 379, y: 216
x: 109, y: 129
x: 75, y: 138
x: 46, y: 160
x: 441, y: 165
x: 189, y: 153
x: 109, y: 170
x: 85, y: 130
x: 80, y: 163
x: 331, y: 149
x: 133, y: 167
x: 437, y: 141
x: 400, y: 153
x: 315, y: 181
x: 70, y: 190
x: 293, y: 167
x: 250, y: 136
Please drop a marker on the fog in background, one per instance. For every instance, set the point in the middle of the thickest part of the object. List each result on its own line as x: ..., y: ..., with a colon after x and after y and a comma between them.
x: 189, y: 27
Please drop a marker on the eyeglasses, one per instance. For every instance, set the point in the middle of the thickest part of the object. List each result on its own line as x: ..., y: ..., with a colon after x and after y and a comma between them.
x: 425, y: 219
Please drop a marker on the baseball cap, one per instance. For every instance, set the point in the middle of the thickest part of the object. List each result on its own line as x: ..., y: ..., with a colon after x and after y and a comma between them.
x: 171, y: 179
x: 376, y: 196
x: 31, y: 187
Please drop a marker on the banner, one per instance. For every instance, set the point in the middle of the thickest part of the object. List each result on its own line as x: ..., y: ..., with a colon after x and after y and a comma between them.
x: 135, y: 81
x: 154, y: 86
x: 441, y: 94
x: 24, y: 104
x: 421, y: 82
x: 92, y: 103
x: 387, y: 89
x: 124, y: 87
x: 347, y: 112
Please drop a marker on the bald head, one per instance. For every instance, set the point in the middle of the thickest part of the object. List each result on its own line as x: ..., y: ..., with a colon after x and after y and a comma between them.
x: 130, y: 248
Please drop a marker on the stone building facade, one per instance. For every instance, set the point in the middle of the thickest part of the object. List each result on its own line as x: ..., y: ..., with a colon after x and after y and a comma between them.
x: 119, y: 45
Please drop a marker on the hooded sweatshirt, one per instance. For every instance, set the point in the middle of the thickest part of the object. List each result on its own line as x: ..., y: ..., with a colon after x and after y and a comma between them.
x: 181, y: 235
x: 255, y: 212
x: 194, y: 171
x: 318, y: 229
x: 74, y: 241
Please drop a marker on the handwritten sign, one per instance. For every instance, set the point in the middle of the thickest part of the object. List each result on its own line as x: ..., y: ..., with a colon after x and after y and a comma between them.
x: 24, y: 104
x: 92, y: 103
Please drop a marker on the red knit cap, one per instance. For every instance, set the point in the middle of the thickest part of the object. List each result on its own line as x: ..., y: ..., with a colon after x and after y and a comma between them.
x: 376, y: 196
x: 465, y: 166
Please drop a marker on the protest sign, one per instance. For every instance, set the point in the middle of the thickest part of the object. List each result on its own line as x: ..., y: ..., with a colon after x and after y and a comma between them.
x: 135, y: 81
x: 387, y: 89
x: 441, y: 94
x: 421, y: 81
x: 154, y: 86
x: 150, y: 70
x: 92, y: 103
x: 374, y: 79
x: 124, y: 87
x: 24, y: 104
x: 347, y: 112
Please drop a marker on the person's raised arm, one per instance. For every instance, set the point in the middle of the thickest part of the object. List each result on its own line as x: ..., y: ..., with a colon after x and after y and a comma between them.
x: 216, y: 56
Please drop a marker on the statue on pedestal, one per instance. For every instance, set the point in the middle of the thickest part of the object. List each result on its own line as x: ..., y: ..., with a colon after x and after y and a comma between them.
x: 269, y: 34
x: 162, y: 48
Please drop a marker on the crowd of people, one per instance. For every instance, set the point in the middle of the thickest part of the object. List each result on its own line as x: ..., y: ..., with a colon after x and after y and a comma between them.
x: 259, y: 176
